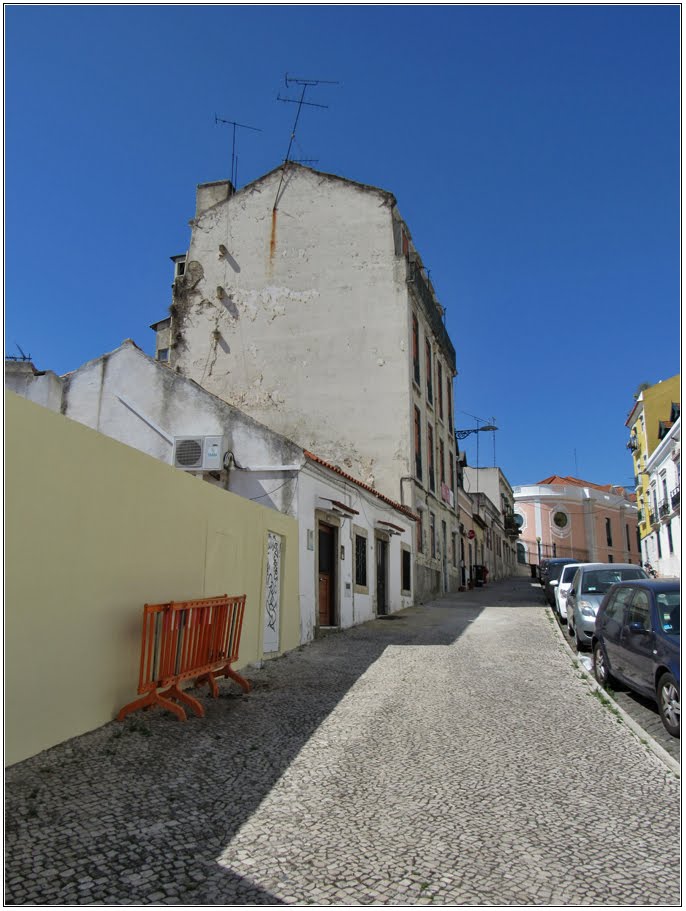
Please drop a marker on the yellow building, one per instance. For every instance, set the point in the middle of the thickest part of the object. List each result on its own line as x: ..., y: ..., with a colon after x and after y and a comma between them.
x: 652, y: 408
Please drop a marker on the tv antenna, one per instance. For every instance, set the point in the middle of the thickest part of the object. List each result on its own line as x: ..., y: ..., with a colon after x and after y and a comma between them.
x: 234, y: 157
x: 20, y: 357
x: 305, y: 84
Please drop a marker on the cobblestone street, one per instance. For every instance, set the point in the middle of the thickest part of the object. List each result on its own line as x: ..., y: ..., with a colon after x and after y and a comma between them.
x: 452, y: 754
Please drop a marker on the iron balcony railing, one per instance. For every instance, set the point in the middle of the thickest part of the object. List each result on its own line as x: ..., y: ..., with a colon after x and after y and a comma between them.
x: 674, y: 496
x: 510, y: 525
x: 651, y: 518
x: 664, y: 509
x: 641, y: 515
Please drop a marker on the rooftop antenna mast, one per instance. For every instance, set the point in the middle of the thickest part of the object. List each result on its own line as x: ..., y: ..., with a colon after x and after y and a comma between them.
x: 306, y: 84
x: 234, y: 157
x: 20, y: 357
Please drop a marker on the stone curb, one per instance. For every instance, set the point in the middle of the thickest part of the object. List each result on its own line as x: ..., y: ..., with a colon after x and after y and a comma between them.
x: 651, y: 743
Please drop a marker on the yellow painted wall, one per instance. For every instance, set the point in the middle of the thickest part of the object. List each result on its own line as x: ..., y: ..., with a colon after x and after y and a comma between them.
x: 655, y: 406
x: 657, y: 403
x: 93, y: 530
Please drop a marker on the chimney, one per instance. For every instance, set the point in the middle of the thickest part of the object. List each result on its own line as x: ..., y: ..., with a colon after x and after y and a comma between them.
x: 209, y: 194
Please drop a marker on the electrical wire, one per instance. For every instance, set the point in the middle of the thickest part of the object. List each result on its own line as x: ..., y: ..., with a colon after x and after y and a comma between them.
x: 270, y: 492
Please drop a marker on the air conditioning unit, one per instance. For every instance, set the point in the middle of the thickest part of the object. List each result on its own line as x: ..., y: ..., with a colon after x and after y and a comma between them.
x: 199, y: 453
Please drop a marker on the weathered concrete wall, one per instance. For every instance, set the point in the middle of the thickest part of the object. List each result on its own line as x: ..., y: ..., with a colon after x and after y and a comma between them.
x: 43, y: 388
x: 302, y: 322
x: 130, y: 397
x: 428, y: 582
x: 95, y: 530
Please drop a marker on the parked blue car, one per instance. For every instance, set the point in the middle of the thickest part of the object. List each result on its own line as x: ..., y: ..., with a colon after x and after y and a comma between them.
x: 637, y: 642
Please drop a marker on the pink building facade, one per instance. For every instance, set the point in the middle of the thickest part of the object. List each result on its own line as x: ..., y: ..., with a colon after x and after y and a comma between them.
x: 568, y: 517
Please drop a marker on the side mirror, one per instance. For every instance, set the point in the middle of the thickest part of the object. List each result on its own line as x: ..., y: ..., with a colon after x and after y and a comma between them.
x: 554, y: 582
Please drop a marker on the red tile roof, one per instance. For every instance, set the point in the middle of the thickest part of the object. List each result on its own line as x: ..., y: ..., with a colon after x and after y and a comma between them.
x: 405, y: 510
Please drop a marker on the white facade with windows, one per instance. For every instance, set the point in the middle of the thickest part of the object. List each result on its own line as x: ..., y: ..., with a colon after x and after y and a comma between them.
x: 661, y: 547
x: 503, y: 530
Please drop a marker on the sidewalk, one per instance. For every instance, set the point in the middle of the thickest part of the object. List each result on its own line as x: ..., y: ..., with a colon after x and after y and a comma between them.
x: 450, y: 754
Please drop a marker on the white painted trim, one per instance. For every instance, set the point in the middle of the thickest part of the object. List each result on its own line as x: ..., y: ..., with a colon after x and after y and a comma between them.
x: 537, y: 519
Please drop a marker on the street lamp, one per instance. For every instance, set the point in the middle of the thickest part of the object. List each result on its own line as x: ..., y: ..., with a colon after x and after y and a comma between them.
x: 461, y: 434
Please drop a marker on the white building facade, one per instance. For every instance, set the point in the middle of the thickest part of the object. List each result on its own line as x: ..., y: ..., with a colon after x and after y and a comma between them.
x: 302, y: 301
x: 662, y: 545
x: 502, y: 531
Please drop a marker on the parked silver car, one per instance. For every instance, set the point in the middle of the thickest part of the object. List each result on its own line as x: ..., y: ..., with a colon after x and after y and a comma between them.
x: 590, y: 584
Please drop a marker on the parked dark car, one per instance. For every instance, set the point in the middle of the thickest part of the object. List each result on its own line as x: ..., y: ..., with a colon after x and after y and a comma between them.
x: 553, y: 573
x: 637, y: 641
x: 542, y: 571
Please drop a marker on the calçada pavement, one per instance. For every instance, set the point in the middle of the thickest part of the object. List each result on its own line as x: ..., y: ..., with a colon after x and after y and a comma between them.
x: 451, y: 754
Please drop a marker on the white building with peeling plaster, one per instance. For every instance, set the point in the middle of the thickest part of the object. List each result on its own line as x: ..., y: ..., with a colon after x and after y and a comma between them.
x: 303, y: 301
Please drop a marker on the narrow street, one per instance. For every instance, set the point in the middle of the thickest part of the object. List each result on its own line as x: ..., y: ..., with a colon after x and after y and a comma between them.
x: 452, y: 754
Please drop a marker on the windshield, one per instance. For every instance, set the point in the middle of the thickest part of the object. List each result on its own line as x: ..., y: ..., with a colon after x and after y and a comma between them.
x: 568, y: 573
x: 669, y: 612
x: 598, y: 581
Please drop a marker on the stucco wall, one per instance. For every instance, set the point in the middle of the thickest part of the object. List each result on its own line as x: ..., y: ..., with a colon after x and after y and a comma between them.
x: 94, y: 529
x: 353, y: 606
x: 583, y: 537
x: 126, y: 395
x: 43, y: 388
x: 308, y: 330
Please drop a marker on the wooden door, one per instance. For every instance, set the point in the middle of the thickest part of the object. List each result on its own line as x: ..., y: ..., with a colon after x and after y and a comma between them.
x: 327, y: 575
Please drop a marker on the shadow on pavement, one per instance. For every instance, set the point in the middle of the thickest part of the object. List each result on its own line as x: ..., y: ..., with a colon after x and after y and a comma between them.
x: 139, y: 812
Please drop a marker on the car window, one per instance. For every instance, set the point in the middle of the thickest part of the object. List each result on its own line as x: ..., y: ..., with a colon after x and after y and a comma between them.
x: 555, y: 571
x: 576, y: 581
x: 618, y: 601
x: 598, y: 581
x: 568, y: 574
x: 669, y: 612
x: 628, y: 574
x: 639, y: 609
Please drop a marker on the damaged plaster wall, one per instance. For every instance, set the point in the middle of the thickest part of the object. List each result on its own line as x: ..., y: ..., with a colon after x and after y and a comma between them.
x: 115, y: 393
x: 42, y: 387
x: 296, y: 317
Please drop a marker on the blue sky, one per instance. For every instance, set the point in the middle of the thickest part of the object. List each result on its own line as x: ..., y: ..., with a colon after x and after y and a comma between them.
x: 533, y: 151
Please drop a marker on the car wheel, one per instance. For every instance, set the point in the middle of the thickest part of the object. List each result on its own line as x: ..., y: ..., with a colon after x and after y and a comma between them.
x: 600, y: 666
x: 669, y: 704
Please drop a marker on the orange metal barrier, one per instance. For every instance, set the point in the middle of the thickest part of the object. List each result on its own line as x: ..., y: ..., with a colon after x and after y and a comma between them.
x: 183, y: 640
